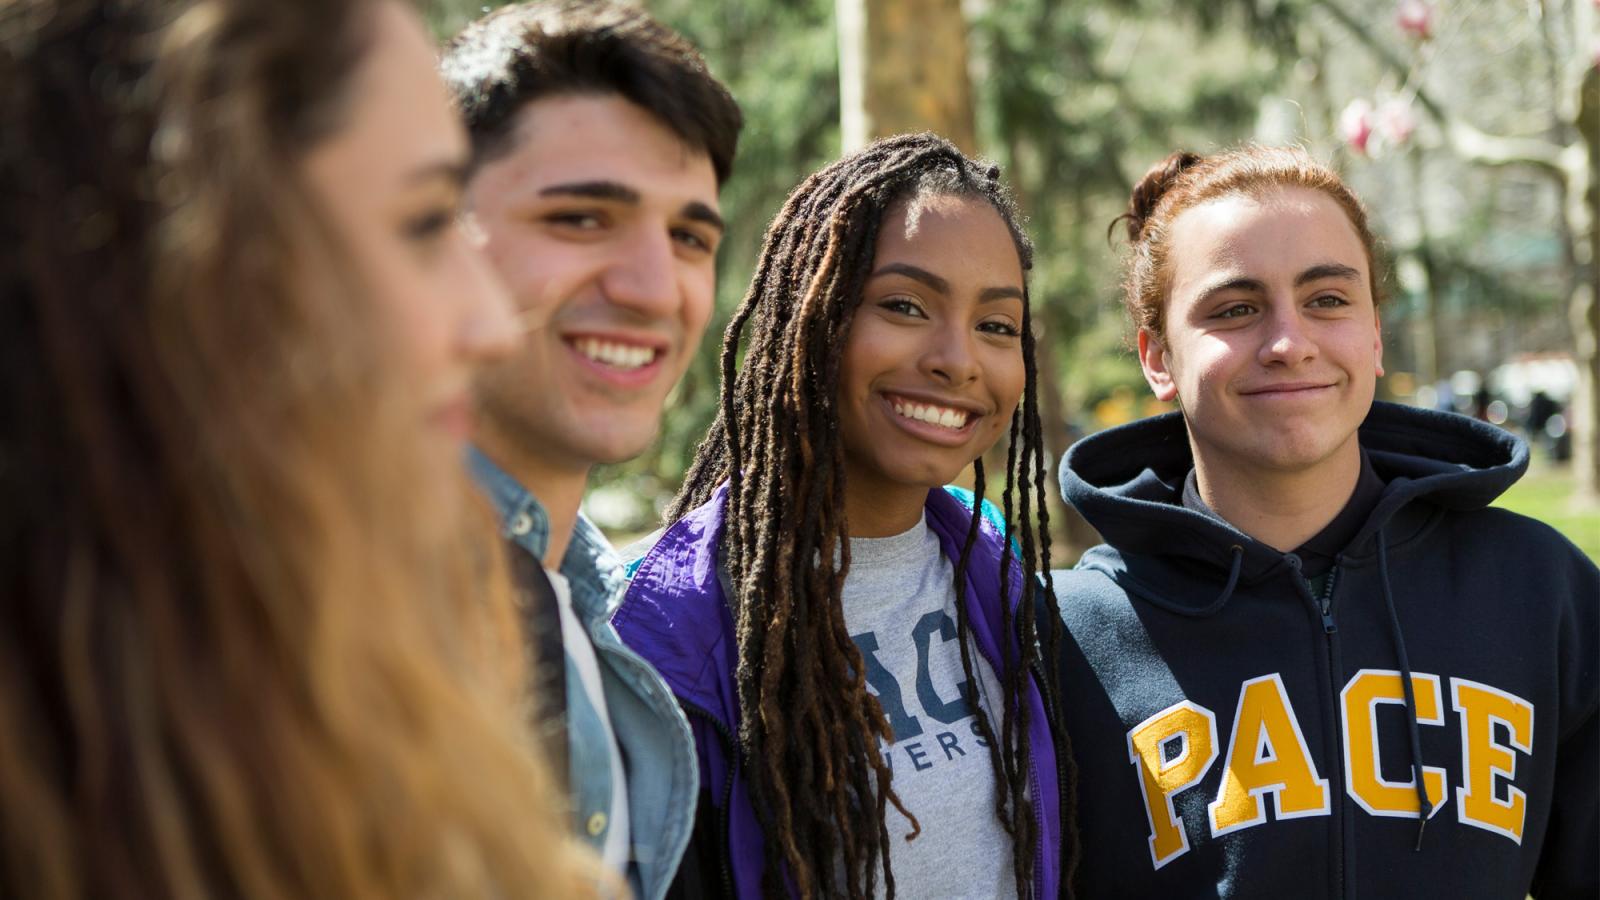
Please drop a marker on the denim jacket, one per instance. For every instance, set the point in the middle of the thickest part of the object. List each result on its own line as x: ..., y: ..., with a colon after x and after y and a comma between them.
x: 652, y: 733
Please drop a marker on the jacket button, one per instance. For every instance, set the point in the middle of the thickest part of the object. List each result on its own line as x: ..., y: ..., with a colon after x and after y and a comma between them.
x: 597, y: 824
x: 521, y: 524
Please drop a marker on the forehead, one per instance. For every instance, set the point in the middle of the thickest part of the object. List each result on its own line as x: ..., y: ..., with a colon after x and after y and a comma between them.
x: 399, y: 113
x: 950, y: 234
x: 1283, y: 230
x: 930, y: 218
x: 572, y: 138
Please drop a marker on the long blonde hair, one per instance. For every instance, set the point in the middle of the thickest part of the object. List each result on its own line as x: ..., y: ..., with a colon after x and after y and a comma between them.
x: 241, y: 653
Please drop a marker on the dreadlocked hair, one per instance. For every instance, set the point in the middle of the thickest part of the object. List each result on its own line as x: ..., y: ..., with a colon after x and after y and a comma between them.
x: 809, y: 730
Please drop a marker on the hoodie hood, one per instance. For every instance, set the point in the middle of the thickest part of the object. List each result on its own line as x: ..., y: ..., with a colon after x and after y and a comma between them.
x: 1128, y: 483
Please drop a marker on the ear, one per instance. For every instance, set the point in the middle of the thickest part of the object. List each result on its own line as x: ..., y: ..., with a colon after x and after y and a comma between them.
x: 1377, y: 342
x: 1153, y: 360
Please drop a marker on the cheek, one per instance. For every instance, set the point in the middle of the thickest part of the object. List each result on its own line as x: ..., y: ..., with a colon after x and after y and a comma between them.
x: 700, y: 291
x: 1201, y: 366
x: 523, y: 268
x: 1007, y: 378
x: 406, y: 298
x: 424, y: 328
x: 865, y: 349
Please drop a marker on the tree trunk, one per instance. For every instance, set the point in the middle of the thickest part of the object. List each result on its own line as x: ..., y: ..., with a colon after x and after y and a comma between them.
x: 1583, y: 211
x: 903, y: 68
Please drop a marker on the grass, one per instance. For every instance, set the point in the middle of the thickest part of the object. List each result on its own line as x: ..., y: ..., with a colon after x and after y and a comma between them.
x: 1547, y: 493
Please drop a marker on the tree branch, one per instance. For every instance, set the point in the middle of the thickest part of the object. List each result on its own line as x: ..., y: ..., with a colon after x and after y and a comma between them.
x: 1465, y: 139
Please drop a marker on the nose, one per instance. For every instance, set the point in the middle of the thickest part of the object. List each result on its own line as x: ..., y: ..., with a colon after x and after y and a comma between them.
x: 487, y: 327
x: 642, y: 275
x: 949, y: 357
x: 1288, y: 340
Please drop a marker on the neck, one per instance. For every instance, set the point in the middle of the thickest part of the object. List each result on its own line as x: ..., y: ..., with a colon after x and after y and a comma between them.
x: 558, y: 486
x: 875, y: 510
x: 1282, y: 509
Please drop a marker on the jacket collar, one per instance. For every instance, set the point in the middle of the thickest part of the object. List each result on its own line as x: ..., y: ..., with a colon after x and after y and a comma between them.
x: 591, y: 567
x: 677, y: 613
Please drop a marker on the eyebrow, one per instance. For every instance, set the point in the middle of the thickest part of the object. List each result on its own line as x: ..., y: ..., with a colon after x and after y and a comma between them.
x: 1315, y: 273
x: 452, y: 170
x: 593, y: 190
x: 1327, y: 270
x: 617, y: 192
x: 917, y: 273
x: 989, y: 295
x: 699, y: 212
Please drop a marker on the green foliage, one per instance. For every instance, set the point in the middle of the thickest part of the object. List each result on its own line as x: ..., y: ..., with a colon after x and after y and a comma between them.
x: 1075, y: 101
x: 1547, y: 493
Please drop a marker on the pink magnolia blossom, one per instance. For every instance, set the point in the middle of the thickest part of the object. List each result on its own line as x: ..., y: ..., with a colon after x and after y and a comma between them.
x: 1415, y: 18
x: 1396, y: 121
x: 1355, y: 125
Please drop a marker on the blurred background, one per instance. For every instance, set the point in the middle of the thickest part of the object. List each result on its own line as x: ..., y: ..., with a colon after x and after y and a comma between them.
x: 1470, y: 127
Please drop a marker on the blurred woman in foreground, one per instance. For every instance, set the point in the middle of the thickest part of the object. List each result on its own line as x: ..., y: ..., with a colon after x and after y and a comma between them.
x: 237, y: 321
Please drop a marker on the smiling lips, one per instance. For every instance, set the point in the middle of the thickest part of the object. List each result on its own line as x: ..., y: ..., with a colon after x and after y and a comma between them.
x: 947, y: 417
x: 1289, y: 389
x: 620, y: 356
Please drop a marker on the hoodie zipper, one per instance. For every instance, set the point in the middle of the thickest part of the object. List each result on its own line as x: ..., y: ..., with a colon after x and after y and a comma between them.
x: 1327, y: 601
x: 726, y: 851
x: 1330, y: 722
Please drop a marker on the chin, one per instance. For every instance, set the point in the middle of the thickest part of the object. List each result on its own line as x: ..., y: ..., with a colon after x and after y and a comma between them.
x: 1294, y: 457
x: 612, y: 449
x: 928, y: 475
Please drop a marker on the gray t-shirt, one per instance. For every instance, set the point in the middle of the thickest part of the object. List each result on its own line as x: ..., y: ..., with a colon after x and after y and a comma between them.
x: 900, y: 608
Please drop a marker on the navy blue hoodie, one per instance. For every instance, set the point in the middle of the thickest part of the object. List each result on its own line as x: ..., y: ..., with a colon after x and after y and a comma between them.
x: 1238, y: 735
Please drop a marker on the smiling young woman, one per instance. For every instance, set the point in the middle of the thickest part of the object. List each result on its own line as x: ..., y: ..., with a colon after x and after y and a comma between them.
x: 871, y: 694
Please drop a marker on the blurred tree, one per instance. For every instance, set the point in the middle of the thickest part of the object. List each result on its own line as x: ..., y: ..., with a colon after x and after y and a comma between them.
x: 1451, y: 61
x: 903, y: 68
x: 1076, y: 100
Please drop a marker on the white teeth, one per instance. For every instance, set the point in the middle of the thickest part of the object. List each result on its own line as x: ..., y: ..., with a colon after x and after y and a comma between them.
x: 944, y: 417
x: 618, y: 356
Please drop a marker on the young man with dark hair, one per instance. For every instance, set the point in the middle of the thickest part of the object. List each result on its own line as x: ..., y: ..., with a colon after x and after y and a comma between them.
x: 600, y: 143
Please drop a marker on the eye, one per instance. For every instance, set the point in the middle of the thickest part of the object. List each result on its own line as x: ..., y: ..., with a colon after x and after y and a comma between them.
x: 577, y: 220
x: 999, y: 327
x: 1234, y: 311
x: 1328, y: 301
x: 694, y: 240
x: 427, y: 226
x: 904, y: 306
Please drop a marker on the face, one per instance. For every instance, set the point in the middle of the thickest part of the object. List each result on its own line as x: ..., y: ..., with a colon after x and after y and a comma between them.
x: 1272, y: 344
x: 932, y: 368
x: 390, y: 181
x: 605, y: 226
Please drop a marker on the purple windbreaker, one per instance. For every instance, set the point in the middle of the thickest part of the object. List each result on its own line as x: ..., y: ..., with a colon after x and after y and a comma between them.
x: 676, y: 616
